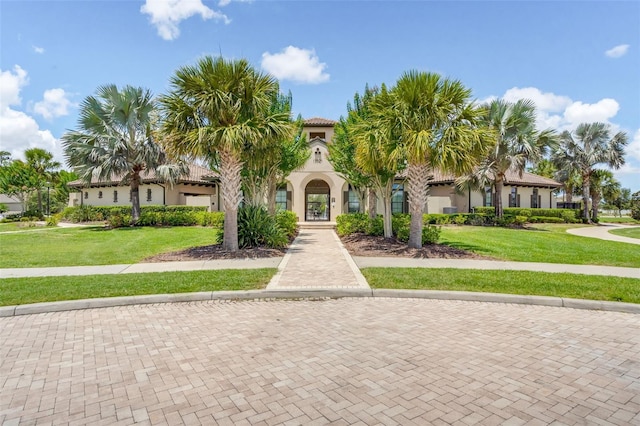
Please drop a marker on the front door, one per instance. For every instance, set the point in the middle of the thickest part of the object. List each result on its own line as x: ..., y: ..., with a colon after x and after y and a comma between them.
x: 317, y: 206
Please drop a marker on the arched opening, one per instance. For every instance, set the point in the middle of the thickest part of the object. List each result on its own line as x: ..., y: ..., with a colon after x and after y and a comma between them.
x: 318, y: 196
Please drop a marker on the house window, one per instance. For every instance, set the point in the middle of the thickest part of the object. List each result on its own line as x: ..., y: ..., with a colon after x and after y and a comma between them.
x: 313, y: 135
x: 535, y: 199
x: 148, y: 194
x: 514, y: 200
x: 99, y: 194
x: 86, y: 195
x: 354, y: 201
x: 115, y: 196
x: 317, y: 156
x: 281, y: 198
x: 397, y: 199
x: 487, y: 197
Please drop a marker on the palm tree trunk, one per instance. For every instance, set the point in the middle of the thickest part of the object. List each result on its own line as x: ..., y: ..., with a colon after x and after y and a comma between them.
x: 386, y: 191
x: 230, y: 184
x: 372, y: 199
x: 595, y: 203
x: 272, y: 188
x: 418, y: 176
x: 499, y: 185
x: 135, y: 197
x: 586, y: 183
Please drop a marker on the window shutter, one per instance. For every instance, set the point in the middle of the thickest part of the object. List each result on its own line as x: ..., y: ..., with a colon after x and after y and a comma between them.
x: 289, y: 206
x: 345, y: 201
x: 518, y: 200
x: 539, y: 201
x: 405, y: 202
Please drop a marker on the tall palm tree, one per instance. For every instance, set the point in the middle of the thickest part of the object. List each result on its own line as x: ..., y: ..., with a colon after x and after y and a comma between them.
x: 220, y: 108
x: 516, y: 142
x: 44, y: 168
x: 586, y: 147
x: 437, y: 129
x: 116, y: 140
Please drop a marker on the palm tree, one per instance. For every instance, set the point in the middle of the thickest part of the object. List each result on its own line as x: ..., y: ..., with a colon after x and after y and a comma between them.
x: 44, y: 168
x: 589, y: 145
x: 219, y: 109
x: 436, y: 126
x: 116, y: 140
x: 603, y: 185
x: 516, y: 142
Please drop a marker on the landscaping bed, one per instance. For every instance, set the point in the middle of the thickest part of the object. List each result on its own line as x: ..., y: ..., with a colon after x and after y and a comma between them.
x: 374, y: 246
x: 215, y: 251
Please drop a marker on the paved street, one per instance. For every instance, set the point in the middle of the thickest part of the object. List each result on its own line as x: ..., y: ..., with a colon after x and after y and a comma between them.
x: 345, y: 361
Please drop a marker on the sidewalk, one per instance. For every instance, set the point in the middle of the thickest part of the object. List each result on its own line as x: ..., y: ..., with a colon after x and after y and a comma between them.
x: 602, y: 232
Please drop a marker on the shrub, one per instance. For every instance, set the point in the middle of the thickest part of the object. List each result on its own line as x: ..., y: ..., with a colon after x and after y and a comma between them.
x: 525, y: 213
x: 545, y: 219
x: 3, y: 208
x: 257, y: 228
x: 431, y: 234
x: 569, y: 216
x: 347, y: 224
x: 459, y: 219
x: 53, y: 220
x: 520, y: 220
x: 375, y: 226
x: 400, y: 224
x: 436, y: 218
x: 288, y: 222
x: 484, y: 210
x: 119, y: 221
x: 212, y: 219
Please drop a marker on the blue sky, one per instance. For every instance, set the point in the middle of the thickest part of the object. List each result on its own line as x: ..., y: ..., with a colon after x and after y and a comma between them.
x: 578, y: 60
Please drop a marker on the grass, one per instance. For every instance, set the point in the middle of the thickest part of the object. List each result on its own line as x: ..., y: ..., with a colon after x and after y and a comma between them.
x: 17, y: 226
x: 97, y: 245
x: 591, y: 287
x: 631, y: 232
x: 549, y: 243
x: 18, y: 291
x: 624, y: 219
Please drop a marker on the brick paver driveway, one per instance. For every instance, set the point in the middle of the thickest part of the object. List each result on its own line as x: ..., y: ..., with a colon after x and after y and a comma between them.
x: 346, y: 361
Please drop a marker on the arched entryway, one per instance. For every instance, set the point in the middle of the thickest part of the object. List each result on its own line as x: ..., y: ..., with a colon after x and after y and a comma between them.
x: 317, y: 205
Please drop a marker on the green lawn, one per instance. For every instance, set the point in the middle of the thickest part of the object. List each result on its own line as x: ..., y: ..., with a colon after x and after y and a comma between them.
x: 96, y: 245
x: 18, y: 291
x: 631, y: 232
x: 591, y: 287
x: 549, y: 243
x: 17, y: 226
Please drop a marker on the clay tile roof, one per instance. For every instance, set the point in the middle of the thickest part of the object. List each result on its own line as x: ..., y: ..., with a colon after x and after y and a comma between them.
x: 197, y: 174
x: 319, y: 121
x: 511, y: 178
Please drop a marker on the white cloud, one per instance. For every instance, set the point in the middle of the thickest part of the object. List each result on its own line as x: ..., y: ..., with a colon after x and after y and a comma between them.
x: 618, y: 51
x: 545, y: 101
x: 54, y: 104
x: 293, y: 63
x: 19, y: 131
x: 37, y: 49
x: 633, y: 149
x: 166, y: 15
x: 601, y: 111
x: 10, y: 84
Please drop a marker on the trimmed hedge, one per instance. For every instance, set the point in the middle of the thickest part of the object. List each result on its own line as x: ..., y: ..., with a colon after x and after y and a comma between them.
x: 353, y: 223
x: 119, y: 216
x: 518, y: 211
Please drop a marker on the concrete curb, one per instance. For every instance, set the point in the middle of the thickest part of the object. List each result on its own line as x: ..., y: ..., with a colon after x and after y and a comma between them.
x: 71, y: 305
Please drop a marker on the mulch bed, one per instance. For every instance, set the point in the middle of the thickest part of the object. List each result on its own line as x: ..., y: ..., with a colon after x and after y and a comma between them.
x: 213, y: 252
x: 372, y: 246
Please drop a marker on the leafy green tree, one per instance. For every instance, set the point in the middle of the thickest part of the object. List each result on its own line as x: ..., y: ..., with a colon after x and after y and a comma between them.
x: 621, y: 200
x: 589, y: 145
x: 220, y: 108
x: 515, y: 143
x: 635, y: 205
x: 437, y: 128
x: 18, y: 179
x: 376, y: 145
x: 5, y: 158
x: 116, y: 140
x: 544, y: 167
x: 342, y: 150
x: 44, y: 168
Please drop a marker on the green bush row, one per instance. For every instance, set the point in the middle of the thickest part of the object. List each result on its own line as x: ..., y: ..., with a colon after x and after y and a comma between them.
x: 352, y: 223
x: 117, y: 216
x: 517, y: 211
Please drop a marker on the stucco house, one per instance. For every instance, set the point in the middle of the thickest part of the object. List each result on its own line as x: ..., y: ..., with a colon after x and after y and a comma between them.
x: 198, y: 188
x: 316, y: 192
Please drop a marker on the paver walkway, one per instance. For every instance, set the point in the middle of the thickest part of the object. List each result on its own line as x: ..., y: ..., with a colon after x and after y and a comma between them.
x: 339, y: 362
x: 317, y: 259
x: 602, y: 232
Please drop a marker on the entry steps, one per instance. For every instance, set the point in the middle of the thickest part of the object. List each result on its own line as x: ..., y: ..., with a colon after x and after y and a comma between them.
x: 317, y: 225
